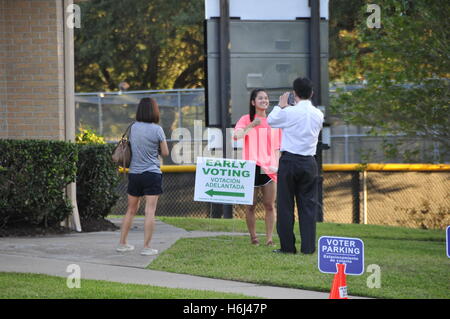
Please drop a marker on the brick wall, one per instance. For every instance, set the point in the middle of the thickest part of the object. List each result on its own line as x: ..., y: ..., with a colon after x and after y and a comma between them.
x: 32, y: 69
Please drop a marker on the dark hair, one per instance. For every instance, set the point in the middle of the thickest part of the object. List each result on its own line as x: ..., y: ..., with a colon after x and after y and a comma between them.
x: 252, y: 109
x: 147, y: 111
x: 303, y: 88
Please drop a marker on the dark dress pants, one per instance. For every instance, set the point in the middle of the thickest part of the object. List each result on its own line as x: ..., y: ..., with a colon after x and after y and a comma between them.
x: 297, y: 179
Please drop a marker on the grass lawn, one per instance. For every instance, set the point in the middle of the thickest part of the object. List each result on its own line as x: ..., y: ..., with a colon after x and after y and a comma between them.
x: 413, y: 262
x: 33, y: 286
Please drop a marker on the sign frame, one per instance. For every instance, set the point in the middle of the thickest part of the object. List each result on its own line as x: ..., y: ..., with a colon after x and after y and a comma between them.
x: 209, y: 191
x: 322, y: 263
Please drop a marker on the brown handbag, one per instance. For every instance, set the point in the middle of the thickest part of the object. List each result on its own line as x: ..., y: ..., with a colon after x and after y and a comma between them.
x: 121, y: 155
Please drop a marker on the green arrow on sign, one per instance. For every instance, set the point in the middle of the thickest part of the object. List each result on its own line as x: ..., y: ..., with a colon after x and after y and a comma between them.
x: 212, y: 192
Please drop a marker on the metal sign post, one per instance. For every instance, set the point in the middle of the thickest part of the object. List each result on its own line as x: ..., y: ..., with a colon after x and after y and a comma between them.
x: 315, y: 70
x: 225, y: 94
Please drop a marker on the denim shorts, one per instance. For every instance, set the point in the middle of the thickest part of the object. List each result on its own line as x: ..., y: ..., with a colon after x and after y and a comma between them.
x: 146, y: 183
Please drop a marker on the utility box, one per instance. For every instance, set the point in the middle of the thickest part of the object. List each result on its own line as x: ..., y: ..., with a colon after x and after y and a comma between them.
x: 270, y: 47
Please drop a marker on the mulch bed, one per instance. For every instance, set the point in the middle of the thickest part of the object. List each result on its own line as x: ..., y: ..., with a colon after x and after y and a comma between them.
x: 93, y: 225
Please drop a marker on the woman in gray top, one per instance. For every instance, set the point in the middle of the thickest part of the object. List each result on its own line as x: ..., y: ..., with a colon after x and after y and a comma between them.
x: 145, y: 177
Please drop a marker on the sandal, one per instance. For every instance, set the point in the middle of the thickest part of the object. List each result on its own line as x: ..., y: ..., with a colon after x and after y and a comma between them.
x: 255, y: 241
x: 270, y: 243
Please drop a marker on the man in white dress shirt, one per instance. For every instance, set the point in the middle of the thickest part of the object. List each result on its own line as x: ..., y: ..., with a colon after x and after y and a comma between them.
x: 297, y: 172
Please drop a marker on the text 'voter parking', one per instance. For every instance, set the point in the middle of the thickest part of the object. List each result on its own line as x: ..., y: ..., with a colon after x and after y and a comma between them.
x: 341, y: 246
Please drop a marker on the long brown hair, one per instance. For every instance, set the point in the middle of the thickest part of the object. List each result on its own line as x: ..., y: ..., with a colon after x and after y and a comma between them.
x: 252, y: 108
x: 147, y: 111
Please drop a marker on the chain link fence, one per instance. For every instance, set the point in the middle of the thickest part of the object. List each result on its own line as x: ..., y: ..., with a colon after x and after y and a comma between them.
x: 415, y: 199
x: 110, y: 113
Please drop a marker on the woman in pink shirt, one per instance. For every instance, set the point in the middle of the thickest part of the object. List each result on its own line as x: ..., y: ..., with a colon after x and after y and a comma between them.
x: 261, y: 144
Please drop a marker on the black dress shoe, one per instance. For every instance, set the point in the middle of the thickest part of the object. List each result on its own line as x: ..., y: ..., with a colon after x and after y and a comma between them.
x: 279, y: 251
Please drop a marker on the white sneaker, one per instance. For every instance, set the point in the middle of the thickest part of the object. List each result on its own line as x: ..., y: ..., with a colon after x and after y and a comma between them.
x: 149, y: 252
x: 123, y: 248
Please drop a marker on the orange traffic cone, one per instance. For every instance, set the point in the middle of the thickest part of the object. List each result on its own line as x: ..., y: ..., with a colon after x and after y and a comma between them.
x: 339, y: 286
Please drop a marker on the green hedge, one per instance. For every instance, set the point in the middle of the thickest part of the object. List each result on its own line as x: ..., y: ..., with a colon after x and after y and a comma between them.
x: 97, y: 179
x: 33, y: 177
x: 35, y: 173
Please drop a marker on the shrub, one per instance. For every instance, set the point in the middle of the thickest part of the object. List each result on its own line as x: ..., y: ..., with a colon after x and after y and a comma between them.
x: 4, y: 185
x: 97, y: 179
x: 88, y: 136
x: 34, y: 176
x: 427, y: 218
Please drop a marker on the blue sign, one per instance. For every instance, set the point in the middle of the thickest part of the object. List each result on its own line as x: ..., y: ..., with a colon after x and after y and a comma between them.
x: 448, y: 241
x: 341, y: 250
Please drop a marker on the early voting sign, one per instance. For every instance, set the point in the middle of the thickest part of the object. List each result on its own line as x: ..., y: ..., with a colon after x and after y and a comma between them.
x: 341, y: 250
x: 224, y: 180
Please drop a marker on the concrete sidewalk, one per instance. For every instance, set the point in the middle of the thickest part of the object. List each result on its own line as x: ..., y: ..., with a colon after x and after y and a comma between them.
x: 95, y: 254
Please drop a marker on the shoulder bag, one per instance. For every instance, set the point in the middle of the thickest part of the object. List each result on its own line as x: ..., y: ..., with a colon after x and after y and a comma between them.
x: 121, y: 155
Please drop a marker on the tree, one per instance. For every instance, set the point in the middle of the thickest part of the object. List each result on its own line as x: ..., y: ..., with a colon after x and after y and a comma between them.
x: 406, y: 66
x: 150, y: 44
x: 344, y: 16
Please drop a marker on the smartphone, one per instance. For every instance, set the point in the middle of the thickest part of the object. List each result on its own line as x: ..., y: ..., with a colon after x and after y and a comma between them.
x: 291, y: 100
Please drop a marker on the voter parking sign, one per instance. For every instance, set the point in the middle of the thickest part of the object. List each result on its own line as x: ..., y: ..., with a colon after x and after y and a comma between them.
x: 224, y: 180
x: 448, y: 241
x: 341, y: 250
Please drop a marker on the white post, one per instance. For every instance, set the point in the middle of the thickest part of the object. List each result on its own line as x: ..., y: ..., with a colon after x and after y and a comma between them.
x: 180, y: 113
x: 365, y: 197
x: 346, y: 151
x: 100, y: 114
x: 69, y: 107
